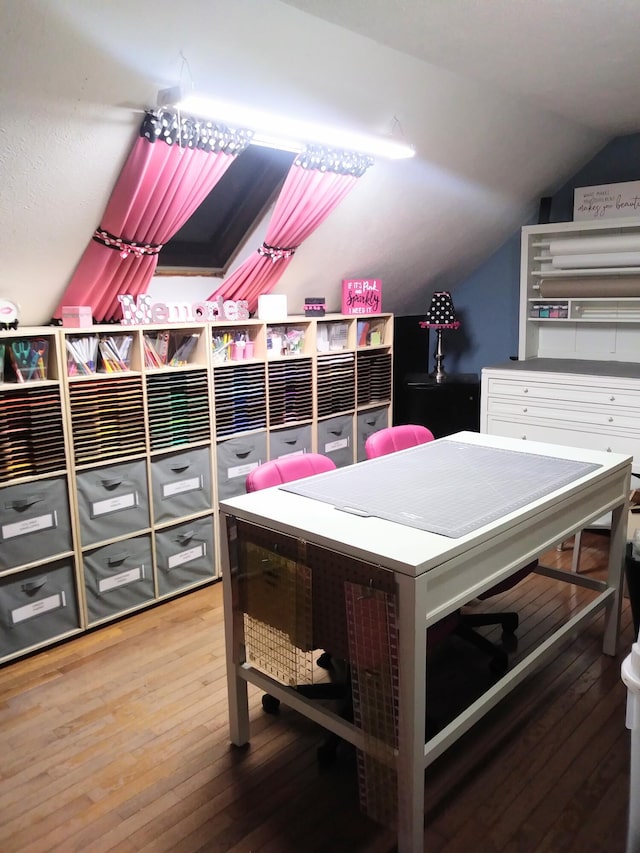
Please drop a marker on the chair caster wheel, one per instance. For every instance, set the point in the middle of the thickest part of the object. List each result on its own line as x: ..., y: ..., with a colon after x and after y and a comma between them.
x: 326, y: 755
x: 510, y: 625
x: 324, y: 660
x: 499, y: 664
x: 270, y: 705
x: 510, y: 642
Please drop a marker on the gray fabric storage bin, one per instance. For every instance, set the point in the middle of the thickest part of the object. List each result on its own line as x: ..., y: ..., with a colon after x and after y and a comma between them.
x: 369, y: 422
x: 335, y: 439
x: 181, y: 484
x: 118, y: 577
x: 37, y: 605
x: 112, y: 501
x: 34, y: 522
x: 184, y: 554
x: 286, y: 442
x: 236, y: 457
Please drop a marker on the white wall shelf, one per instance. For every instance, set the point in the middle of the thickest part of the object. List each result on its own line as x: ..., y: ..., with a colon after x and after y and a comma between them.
x: 598, y: 322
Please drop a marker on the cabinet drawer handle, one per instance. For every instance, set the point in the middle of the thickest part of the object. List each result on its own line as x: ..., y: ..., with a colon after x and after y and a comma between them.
x: 34, y: 585
x: 610, y: 420
x: 183, y: 538
x: 612, y: 398
x: 20, y: 504
x: 525, y: 409
x: 525, y: 390
x: 111, y: 482
x: 524, y: 437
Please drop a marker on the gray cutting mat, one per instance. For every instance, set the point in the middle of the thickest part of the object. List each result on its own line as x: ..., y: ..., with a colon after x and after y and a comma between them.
x: 445, y: 487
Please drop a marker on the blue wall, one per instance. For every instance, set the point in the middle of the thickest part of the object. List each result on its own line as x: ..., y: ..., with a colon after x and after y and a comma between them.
x: 487, y: 301
x: 487, y: 306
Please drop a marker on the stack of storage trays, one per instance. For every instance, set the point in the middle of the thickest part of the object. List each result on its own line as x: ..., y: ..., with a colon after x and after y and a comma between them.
x: 38, y: 581
x: 290, y: 391
x: 108, y: 423
x: 241, y: 421
x: 336, y: 404
x: 180, y: 417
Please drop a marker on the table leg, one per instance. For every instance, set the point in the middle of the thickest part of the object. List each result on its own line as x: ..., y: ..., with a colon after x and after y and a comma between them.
x: 617, y: 542
x: 411, y: 712
x: 234, y: 639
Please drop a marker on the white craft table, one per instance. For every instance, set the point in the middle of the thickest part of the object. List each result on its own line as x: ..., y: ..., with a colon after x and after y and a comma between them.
x: 423, y: 577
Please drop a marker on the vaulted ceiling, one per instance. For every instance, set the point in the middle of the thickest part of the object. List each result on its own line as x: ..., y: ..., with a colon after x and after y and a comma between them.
x: 577, y: 58
x: 503, y: 100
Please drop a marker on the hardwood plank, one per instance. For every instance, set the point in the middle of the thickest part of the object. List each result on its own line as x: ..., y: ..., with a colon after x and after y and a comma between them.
x: 117, y: 741
x: 583, y: 820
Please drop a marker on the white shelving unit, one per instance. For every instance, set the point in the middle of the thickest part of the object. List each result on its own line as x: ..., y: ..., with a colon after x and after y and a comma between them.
x: 577, y: 378
x: 600, y: 326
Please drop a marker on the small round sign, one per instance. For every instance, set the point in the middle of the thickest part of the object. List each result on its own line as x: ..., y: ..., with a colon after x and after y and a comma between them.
x: 8, y: 314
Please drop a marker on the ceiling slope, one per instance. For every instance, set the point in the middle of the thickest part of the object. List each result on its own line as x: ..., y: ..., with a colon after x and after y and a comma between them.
x: 577, y: 58
x: 487, y: 148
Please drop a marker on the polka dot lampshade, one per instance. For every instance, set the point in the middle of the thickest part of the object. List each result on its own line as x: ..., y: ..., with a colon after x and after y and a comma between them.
x: 441, y: 313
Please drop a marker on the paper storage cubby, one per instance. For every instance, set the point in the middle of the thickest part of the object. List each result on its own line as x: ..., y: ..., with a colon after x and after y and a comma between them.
x: 125, y: 449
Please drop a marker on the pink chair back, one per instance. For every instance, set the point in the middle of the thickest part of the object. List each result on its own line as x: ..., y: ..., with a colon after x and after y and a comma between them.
x: 286, y: 469
x: 394, y: 438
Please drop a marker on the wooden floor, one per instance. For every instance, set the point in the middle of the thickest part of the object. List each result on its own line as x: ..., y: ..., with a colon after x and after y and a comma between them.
x: 118, y: 741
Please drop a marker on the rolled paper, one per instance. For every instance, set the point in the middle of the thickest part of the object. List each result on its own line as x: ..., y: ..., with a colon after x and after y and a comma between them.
x: 594, y: 260
x: 587, y: 245
x: 601, y: 288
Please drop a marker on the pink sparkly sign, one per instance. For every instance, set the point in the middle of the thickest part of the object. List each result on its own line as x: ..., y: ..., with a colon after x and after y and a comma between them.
x: 361, y: 295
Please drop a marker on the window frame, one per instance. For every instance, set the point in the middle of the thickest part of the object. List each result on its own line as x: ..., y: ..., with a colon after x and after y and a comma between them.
x: 266, y: 170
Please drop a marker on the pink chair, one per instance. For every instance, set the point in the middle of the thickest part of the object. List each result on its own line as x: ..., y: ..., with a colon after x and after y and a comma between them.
x: 394, y: 438
x: 286, y: 469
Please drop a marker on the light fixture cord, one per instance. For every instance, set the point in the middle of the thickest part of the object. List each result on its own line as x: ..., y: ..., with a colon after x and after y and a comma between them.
x: 396, y: 125
x: 184, y: 67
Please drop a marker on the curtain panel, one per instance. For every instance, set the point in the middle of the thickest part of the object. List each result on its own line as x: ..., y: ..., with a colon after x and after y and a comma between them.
x: 173, y: 165
x: 316, y: 184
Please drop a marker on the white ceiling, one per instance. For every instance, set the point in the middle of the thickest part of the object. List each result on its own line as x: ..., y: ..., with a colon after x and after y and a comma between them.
x: 504, y: 100
x: 577, y: 58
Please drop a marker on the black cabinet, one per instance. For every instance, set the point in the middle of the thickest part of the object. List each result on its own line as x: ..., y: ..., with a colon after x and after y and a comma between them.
x: 410, y: 354
x: 445, y: 407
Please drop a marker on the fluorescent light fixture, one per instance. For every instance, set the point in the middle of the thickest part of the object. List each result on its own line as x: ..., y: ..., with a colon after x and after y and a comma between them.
x: 274, y: 131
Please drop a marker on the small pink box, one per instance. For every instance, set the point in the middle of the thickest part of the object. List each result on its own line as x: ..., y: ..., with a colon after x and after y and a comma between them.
x: 361, y: 295
x: 76, y: 316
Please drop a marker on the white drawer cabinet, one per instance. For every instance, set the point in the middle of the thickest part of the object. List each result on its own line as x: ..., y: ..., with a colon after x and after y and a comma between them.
x: 577, y: 378
x: 574, y: 403
x: 564, y: 390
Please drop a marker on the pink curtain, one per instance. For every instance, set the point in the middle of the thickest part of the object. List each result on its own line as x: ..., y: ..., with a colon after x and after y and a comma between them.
x: 316, y: 184
x: 173, y: 166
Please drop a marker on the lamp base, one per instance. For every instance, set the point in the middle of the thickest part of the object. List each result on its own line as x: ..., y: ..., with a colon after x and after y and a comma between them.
x: 438, y: 373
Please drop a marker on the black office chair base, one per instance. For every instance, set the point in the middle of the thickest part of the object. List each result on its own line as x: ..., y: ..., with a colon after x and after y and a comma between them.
x: 498, y: 659
x: 508, y: 621
x: 499, y: 663
x: 325, y: 660
x: 326, y: 753
x: 328, y: 691
x: 270, y: 705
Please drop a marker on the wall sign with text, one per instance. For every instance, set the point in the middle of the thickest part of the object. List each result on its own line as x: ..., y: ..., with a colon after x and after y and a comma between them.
x: 608, y: 201
x: 361, y: 295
